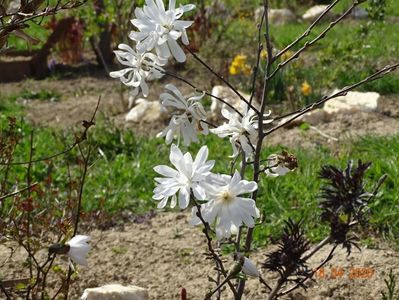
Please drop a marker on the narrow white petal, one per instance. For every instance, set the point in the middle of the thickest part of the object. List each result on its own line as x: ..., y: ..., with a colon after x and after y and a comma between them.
x: 163, y: 203
x: 166, y: 171
x: 177, y: 52
x: 184, y: 197
x: 249, y: 268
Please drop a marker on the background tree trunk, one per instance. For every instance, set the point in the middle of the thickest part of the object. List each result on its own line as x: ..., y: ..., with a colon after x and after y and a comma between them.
x: 102, y: 44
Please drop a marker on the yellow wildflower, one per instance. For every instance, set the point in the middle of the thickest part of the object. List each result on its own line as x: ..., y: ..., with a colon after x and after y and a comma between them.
x: 240, y: 59
x: 233, y: 70
x: 263, y: 54
x: 306, y: 89
x: 238, y: 65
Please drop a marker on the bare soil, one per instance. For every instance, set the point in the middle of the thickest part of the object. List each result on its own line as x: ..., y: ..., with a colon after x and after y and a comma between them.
x: 80, y: 95
x: 166, y: 254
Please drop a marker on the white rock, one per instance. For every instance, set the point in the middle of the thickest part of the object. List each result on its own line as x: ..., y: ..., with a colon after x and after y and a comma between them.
x: 353, y: 101
x: 276, y: 16
x: 115, y: 292
x: 230, y: 97
x: 146, y: 111
x: 315, y: 11
x: 131, y: 101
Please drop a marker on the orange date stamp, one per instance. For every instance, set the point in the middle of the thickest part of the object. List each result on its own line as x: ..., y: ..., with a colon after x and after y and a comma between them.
x: 338, y: 272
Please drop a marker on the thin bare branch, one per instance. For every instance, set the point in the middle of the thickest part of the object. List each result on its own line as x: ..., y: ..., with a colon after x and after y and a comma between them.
x: 377, y: 75
x: 215, y: 256
x: 308, y: 30
x: 18, y: 192
x: 200, y: 90
x: 221, y: 78
x: 315, y: 40
x: 256, y: 67
x: 301, y: 282
x: 78, y: 139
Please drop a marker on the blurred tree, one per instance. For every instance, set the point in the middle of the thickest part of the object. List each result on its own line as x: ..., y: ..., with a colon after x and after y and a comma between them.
x: 102, y: 44
x: 15, y: 15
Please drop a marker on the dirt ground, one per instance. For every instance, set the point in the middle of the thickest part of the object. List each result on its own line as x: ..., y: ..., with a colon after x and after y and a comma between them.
x: 165, y: 253
x: 80, y: 95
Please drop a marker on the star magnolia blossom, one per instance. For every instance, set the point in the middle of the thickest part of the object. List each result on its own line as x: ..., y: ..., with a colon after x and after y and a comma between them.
x: 241, y: 130
x: 140, y: 67
x: 188, y: 176
x: 160, y: 28
x: 188, y: 124
x: 275, y: 167
x: 225, y: 206
x: 78, y: 249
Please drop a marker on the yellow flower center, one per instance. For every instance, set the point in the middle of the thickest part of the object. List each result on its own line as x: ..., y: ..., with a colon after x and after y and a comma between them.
x: 168, y: 27
x: 226, y: 197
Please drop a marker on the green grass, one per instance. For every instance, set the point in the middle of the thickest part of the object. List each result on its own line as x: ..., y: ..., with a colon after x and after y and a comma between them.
x: 121, y: 175
x: 350, y: 52
x: 296, y: 194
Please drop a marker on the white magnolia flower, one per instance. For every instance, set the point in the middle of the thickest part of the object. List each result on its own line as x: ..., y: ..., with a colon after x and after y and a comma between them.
x: 249, y: 268
x: 280, y: 165
x: 225, y: 206
x: 189, y: 123
x: 241, y: 130
x: 140, y: 67
x: 190, y: 104
x: 160, y: 28
x: 180, y: 125
x: 78, y: 249
x: 188, y: 176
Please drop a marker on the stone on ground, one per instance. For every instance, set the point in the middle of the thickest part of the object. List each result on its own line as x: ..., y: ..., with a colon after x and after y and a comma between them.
x: 353, y: 101
x: 115, y: 292
x: 146, y: 111
x: 315, y: 11
x: 276, y: 16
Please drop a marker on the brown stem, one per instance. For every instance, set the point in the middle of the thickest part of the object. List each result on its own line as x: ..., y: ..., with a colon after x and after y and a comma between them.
x: 377, y: 75
x: 308, y: 30
x: 86, y: 159
x: 20, y: 18
x: 221, y: 78
x: 45, y: 273
x: 314, y: 41
x: 215, y: 256
x: 327, y: 259
x: 28, y: 213
x: 248, y: 240
x: 199, y: 90
x: 274, y: 294
x: 256, y: 67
